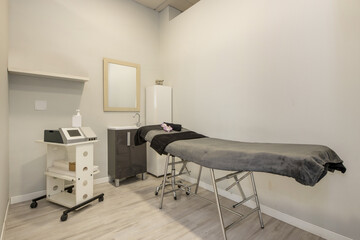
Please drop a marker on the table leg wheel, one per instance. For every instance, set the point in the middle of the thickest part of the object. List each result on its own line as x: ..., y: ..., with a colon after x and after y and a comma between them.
x: 64, y: 217
x: 101, y: 198
x: 33, y: 205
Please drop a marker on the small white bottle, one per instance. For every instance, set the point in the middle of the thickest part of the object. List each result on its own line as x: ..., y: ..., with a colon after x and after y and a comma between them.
x: 76, y: 119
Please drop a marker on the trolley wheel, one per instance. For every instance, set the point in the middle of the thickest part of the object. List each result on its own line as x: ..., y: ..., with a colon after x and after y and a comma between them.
x: 64, y: 217
x: 33, y: 205
x: 101, y: 198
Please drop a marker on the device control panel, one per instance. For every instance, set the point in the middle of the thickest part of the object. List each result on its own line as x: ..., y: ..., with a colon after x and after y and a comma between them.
x: 70, y: 135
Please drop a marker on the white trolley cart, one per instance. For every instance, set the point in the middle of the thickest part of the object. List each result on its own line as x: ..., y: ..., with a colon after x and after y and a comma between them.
x: 58, y: 175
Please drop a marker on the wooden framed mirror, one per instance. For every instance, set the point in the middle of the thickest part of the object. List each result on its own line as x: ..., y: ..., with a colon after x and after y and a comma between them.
x: 121, y: 86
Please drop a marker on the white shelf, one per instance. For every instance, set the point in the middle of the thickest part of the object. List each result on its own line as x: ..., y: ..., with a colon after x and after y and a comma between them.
x: 57, y: 173
x: 60, y: 175
x: 64, y: 198
x: 47, y: 75
x: 66, y: 174
x: 66, y: 145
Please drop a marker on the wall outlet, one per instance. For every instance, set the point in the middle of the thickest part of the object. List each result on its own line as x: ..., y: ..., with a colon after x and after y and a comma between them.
x: 40, y: 105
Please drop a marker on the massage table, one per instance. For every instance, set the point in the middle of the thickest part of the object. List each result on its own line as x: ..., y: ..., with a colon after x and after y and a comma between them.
x: 307, y: 164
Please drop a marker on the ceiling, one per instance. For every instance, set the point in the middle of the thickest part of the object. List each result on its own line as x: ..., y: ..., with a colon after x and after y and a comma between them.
x: 159, y: 5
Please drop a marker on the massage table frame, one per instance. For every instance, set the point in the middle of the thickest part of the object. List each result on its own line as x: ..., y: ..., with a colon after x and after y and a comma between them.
x: 187, y: 188
x: 173, y: 181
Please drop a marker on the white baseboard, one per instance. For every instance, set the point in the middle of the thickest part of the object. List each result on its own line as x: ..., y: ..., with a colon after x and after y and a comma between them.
x: 3, y: 226
x: 30, y: 196
x: 101, y: 180
x: 27, y: 197
x: 309, y: 227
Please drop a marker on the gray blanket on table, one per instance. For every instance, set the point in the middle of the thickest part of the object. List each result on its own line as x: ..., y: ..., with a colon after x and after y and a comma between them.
x: 307, y: 164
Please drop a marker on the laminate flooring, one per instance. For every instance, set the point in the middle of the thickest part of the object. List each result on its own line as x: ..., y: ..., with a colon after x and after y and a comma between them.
x: 131, y: 211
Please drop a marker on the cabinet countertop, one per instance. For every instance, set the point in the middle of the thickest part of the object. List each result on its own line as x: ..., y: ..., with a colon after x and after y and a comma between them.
x: 122, y: 127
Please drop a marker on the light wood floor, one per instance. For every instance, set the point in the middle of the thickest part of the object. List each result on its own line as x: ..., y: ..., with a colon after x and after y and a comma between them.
x: 131, y: 211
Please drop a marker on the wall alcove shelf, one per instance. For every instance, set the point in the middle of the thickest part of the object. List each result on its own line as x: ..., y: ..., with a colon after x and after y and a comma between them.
x: 41, y: 74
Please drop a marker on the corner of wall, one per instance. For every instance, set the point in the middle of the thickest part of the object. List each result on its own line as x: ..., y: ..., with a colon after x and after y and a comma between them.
x: 2, y: 234
x: 4, y: 115
x: 173, y: 13
x: 168, y: 14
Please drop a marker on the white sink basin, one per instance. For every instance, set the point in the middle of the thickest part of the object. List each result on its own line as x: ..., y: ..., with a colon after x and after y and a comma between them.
x: 122, y: 127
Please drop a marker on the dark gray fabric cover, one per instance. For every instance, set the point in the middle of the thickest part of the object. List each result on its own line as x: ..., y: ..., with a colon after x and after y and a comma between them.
x: 307, y: 164
x: 161, y: 141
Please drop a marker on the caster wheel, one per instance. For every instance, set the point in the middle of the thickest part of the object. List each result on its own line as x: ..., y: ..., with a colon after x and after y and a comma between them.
x: 156, y: 193
x: 179, y: 186
x: 175, y: 198
x: 33, y: 205
x: 187, y: 193
x: 64, y: 217
x: 101, y: 199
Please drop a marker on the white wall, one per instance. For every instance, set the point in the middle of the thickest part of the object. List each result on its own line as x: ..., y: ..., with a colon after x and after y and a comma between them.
x: 265, y: 71
x: 275, y: 71
x: 4, y: 112
x: 71, y: 37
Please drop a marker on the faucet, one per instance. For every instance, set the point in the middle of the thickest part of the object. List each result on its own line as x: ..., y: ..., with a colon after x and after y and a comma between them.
x: 138, y: 122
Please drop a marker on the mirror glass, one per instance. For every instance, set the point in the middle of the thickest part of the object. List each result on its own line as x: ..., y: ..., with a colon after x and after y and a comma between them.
x: 121, y: 86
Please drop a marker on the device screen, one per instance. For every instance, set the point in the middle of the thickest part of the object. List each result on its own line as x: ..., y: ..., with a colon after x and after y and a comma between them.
x: 73, y: 133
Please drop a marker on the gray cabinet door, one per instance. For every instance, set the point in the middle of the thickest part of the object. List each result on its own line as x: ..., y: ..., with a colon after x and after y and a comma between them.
x: 138, y: 158
x: 124, y: 157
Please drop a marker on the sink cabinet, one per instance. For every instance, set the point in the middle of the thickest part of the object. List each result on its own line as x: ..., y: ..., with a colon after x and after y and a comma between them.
x: 124, y: 158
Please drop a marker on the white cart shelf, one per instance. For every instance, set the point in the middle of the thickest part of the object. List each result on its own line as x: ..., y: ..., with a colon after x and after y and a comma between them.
x: 57, y: 175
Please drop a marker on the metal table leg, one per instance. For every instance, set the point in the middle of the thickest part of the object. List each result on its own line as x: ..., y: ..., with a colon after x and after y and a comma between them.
x: 173, y: 175
x: 257, y: 200
x: 164, y: 180
x: 218, y: 203
x: 198, y: 180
